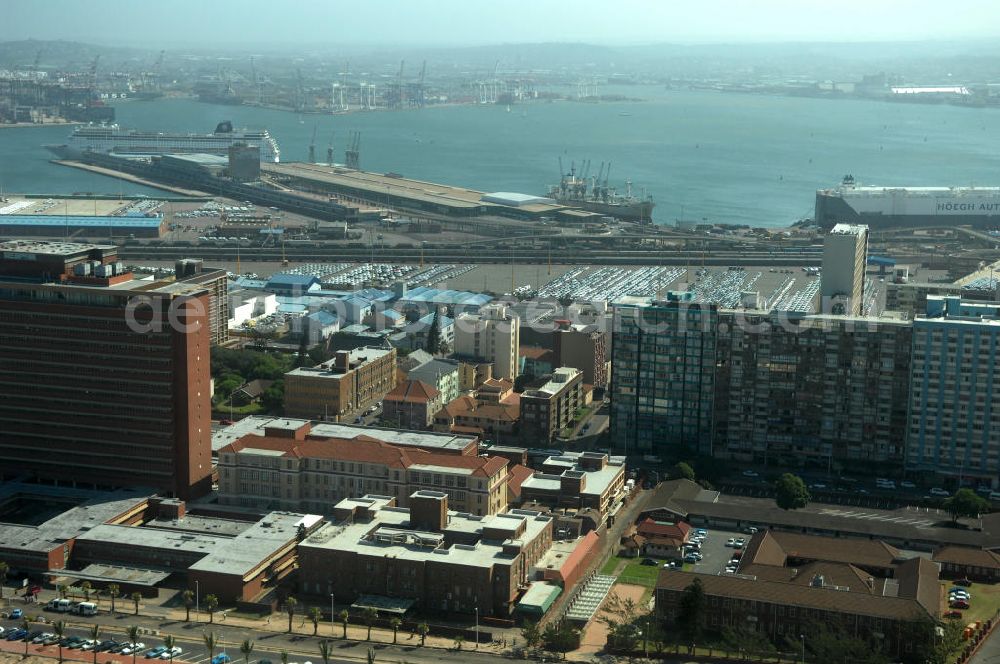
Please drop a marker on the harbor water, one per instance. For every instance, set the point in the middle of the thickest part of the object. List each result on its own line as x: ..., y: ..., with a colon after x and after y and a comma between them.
x: 720, y: 157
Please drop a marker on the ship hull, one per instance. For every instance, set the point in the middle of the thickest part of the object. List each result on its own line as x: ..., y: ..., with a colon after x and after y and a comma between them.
x: 640, y: 211
x: 833, y: 208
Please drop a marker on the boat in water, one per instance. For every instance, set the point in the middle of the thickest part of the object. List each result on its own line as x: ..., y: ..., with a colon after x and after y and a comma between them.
x: 113, y: 139
x: 595, y: 195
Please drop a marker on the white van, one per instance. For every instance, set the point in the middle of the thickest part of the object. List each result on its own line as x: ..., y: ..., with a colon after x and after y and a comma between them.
x: 63, y: 605
x: 86, y: 609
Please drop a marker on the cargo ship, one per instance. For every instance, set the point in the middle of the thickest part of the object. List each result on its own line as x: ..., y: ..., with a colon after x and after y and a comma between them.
x: 594, y: 194
x: 113, y: 139
x: 885, y: 207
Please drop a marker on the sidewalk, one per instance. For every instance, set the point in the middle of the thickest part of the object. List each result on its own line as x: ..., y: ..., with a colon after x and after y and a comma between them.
x: 17, y: 648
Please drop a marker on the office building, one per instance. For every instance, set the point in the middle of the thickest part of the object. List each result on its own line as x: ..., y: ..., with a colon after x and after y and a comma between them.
x: 549, y: 408
x: 577, y: 480
x: 426, y: 557
x: 291, y: 468
x: 104, y: 378
x: 954, y: 425
x: 845, y: 255
x: 343, y: 387
x: 493, y: 336
x: 663, y: 371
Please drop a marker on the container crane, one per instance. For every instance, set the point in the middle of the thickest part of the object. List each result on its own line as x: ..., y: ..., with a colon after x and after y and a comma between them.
x: 312, y: 147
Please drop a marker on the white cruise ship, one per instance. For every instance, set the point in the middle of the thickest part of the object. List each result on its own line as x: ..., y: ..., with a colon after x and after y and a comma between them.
x: 111, y: 138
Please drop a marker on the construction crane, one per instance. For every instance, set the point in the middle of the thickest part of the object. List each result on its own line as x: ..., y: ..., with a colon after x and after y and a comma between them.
x: 312, y: 147
x: 329, y: 150
x: 396, y: 96
x: 300, y: 96
x: 352, y: 155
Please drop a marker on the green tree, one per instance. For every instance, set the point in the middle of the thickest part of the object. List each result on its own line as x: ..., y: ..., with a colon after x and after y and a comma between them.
x: 369, y: 615
x: 620, y: 615
x: 86, y: 587
x: 170, y: 642
x: 422, y: 630
x: 395, y: 623
x: 211, y: 604
x: 433, y: 344
x: 791, y: 492
x: 133, y: 638
x: 63, y: 590
x: 188, y: 597
x: 965, y: 502
x: 561, y: 637
x: 692, y: 610
x: 4, y: 568
x: 211, y: 641
x: 114, y: 590
x: 531, y: 633
x: 314, y: 615
x: 325, y: 651
x: 247, y: 649
x: 825, y: 643
x: 748, y: 644
x: 59, y: 629
x: 95, y: 635
x: 682, y: 470
x: 459, y: 640
x: 290, y: 605
x: 273, y: 399
x: 938, y: 650
x: 344, y: 617
x: 136, y: 598
x: 283, y: 657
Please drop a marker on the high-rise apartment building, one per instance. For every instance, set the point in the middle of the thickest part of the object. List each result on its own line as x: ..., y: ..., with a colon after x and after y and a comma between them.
x: 549, y: 408
x: 663, y: 374
x: 845, y: 255
x: 954, y: 422
x: 584, y: 347
x: 104, y: 378
x: 492, y: 335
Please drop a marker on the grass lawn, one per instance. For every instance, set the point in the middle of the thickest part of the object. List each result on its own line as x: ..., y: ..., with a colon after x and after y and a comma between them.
x: 222, y: 409
x: 984, y: 605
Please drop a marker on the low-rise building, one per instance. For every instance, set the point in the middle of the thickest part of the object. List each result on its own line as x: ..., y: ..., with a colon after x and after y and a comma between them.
x: 411, y: 405
x: 442, y: 373
x: 958, y: 562
x: 427, y: 556
x: 497, y: 421
x: 578, y: 480
x: 341, y: 388
x: 548, y: 409
x: 295, y: 469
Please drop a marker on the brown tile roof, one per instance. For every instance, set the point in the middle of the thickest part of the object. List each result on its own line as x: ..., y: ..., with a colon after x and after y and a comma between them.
x: 366, y: 449
x: 964, y: 555
x: 466, y: 406
x: 412, y: 391
x: 772, y: 547
x: 518, y: 474
x: 535, y: 352
x: 801, y: 596
x: 649, y: 527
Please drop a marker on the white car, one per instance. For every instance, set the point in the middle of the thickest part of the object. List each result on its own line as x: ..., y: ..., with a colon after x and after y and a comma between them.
x: 173, y: 652
x: 131, y: 648
x: 89, y: 644
x: 731, y: 541
x: 938, y: 491
x: 907, y: 484
x: 43, y: 636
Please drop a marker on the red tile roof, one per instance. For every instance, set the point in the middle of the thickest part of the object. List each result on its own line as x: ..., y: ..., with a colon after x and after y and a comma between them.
x: 517, y: 476
x: 366, y: 449
x: 412, y: 391
x: 678, y: 530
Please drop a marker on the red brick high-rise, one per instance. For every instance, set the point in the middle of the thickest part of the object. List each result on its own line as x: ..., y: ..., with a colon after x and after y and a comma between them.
x: 104, y: 379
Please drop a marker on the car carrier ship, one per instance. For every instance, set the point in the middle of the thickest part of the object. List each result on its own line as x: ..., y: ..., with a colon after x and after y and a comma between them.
x: 595, y: 195
x: 884, y: 207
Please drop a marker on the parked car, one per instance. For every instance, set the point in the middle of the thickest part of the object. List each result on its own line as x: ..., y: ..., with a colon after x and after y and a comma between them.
x: 963, y: 582
x: 41, y: 636
x: 693, y: 557
x: 907, y: 484
x: 751, y: 473
x: 2, y: 630
x: 221, y: 658
x: 131, y: 648
x: 958, y: 604
x: 171, y: 653
x: 89, y: 644
x: 650, y: 562
x: 105, y: 645
x: 17, y: 634
x: 731, y: 541
x: 956, y: 615
x: 154, y: 652
x: 700, y: 531
x: 15, y: 614
x: 752, y: 530
x: 938, y: 491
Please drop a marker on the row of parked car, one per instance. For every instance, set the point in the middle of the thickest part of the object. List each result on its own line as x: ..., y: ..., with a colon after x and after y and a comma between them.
x: 43, y: 638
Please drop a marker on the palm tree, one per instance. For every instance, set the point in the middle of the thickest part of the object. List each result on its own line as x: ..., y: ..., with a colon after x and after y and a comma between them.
x: 136, y: 596
x: 315, y: 614
x: 4, y: 568
x: 95, y: 634
x: 290, y: 608
x: 370, y: 615
x: 459, y: 640
x: 344, y: 617
x: 325, y: 651
x: 211, y: 604
x: 86, y: 587
x: 26, y: 626
x: 210, y: 643
x: 59, y: 629
x: 247, y: 649
x: 169, y: 641
x: 395, y: 623
x: 283, y: 657
x: 422, y: 630
x: 113, y: 592
x: 63, y: 590
x: 133, y: 638
x: 188, y: 597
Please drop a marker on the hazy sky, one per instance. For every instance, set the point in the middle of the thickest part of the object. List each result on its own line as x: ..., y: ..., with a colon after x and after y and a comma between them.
x: 382, y: 22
